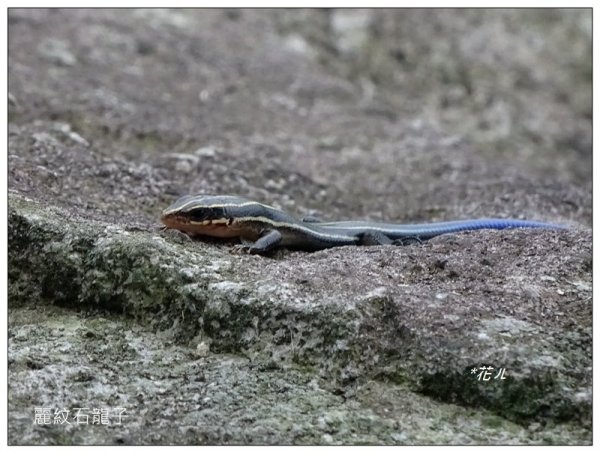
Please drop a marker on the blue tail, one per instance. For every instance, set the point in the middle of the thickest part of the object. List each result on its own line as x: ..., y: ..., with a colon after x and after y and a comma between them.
x: 426, y: 231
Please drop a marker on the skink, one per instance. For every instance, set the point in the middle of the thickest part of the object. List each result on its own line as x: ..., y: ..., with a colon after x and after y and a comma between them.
x: 262, y: 228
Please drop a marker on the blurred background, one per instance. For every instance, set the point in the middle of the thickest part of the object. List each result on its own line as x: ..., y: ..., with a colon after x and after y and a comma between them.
x: 405, y: 114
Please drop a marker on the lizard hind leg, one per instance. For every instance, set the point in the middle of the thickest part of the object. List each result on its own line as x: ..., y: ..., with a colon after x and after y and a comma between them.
x: 374, y: 238
x: 408, y: 240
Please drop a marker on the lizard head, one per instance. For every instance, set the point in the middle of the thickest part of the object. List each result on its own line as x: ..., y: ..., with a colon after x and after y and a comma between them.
x: 207, y: 215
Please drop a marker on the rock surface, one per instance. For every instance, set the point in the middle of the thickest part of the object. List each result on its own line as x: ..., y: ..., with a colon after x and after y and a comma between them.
x: 402, y: 115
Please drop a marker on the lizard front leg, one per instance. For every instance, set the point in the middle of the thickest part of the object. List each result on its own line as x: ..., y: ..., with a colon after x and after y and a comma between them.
x: 264, y: 244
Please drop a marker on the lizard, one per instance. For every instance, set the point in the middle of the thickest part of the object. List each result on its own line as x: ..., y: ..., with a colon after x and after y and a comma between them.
x: 262, y: 227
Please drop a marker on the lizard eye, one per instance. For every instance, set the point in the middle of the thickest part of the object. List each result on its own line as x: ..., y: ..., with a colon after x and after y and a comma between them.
x: 201, y: 214
x: 198, y: 214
